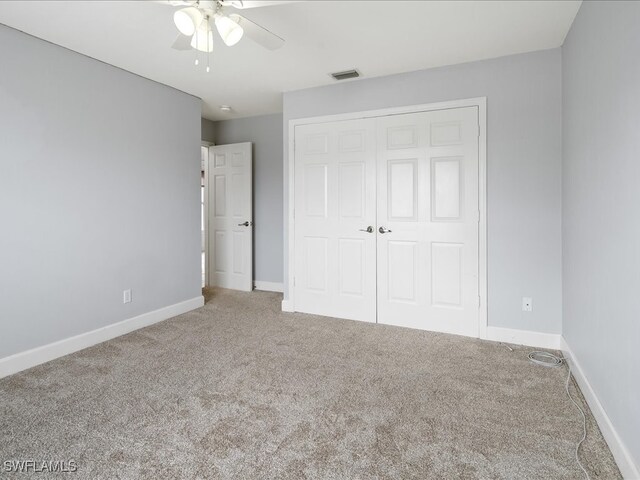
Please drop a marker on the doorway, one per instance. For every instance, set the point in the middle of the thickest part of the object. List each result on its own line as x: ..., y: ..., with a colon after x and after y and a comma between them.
x: 204, y: 155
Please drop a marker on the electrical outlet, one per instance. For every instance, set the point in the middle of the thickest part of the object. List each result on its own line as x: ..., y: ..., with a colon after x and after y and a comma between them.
x: 126, y: 296
x: 527, y: 304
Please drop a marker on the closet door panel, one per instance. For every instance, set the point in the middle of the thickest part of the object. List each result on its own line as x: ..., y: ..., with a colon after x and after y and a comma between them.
x: 335, y: 169
x: 427, y: 250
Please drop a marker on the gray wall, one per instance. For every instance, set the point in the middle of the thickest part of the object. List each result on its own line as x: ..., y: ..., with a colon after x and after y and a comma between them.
x: 208, y: 130
x: 99, y: 192
x: 601, y: 196
x: 524, y: 166
x: 265, y: 132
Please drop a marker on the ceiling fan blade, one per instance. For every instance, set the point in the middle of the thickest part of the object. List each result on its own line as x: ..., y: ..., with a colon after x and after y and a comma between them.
x: 182, y: 42
x: 244, y: 4
x: 258, y: 34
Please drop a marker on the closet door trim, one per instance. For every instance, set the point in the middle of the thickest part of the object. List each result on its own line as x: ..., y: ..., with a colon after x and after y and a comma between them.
x: 288, y: 304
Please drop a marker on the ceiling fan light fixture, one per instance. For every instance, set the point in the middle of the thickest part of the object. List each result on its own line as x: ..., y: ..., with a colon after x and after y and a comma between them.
x: 229, y: 30
x: 188, y: 20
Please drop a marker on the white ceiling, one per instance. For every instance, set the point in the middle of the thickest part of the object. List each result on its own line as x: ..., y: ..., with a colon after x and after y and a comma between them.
x: 377, y: 37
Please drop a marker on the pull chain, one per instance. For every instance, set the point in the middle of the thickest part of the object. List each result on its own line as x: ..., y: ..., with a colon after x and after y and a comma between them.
x: 209, y: 47
x: 196, y: 49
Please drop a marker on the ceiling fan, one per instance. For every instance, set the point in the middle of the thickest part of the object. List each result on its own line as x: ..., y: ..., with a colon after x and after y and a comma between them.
x: 194, y: 22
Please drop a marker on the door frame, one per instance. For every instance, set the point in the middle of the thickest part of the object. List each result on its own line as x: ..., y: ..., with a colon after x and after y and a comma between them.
x: 481, y: 103
x: 206, y: 144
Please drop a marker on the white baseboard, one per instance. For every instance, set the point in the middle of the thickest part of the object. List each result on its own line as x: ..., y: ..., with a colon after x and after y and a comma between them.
x: 30, y: 358
x: 525, y: 337
x: 287, y: 306
x: 269, y: 286
x: 626, y: 464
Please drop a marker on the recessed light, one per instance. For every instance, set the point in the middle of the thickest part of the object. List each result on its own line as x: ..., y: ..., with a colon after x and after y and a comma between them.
x: 225, y: 108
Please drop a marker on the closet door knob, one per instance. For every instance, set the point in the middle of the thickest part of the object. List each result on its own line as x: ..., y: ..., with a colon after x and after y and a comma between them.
x: 245, y: 224
x: 384, y: 230
x: 369, y: 229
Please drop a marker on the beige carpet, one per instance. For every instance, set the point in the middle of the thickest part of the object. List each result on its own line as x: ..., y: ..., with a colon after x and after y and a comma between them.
x: 238, y: 389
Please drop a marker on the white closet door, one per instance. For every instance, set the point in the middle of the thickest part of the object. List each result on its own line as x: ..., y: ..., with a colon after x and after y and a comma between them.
x: 335, y: 257
x: 427, y: 258
x: 231, y: 216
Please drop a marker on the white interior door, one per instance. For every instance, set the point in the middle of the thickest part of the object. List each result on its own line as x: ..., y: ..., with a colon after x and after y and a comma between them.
x: 230, y: 208
x: 427, y: 258
x: 335, y: 255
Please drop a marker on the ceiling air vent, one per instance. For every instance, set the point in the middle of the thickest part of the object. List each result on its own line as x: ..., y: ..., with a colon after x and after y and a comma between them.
x: 346, y: 74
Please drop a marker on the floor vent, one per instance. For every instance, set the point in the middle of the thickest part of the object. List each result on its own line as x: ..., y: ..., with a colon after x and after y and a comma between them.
x: 346, y: 74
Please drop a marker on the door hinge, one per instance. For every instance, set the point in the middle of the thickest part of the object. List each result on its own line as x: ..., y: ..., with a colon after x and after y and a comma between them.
x: 478, y: 131
x: 478, y: 301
